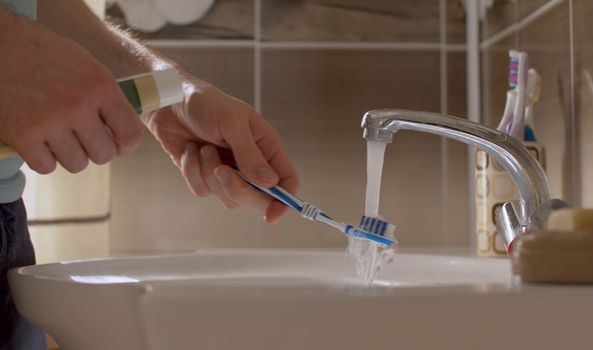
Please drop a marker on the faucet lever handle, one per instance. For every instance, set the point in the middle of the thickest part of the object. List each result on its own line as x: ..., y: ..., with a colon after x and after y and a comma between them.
x: 508, y: 225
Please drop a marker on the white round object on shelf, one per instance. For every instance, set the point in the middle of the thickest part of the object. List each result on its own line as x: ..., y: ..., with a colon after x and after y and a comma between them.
x: 97, y: 6
x: 142, y: 15
x: 183, y: 12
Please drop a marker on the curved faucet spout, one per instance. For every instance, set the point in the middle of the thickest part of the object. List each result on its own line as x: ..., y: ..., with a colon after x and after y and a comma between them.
x: 528, y: 175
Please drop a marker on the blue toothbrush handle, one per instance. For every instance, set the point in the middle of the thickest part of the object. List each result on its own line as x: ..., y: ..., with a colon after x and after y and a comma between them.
x: 277, y: 192
x: 312, y: 213
x: 283, y: 196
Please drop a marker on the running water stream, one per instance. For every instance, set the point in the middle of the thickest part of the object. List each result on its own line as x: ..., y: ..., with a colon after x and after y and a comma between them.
x: 368, y: 256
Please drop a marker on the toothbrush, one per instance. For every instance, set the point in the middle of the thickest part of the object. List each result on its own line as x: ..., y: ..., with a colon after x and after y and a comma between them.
x: 507, y: 116
x: 145, y: 92
x: 313, y: 213
x: 533, y: 94
x: 518, y: 80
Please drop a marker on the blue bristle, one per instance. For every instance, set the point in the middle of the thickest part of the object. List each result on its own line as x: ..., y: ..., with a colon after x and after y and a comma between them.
x: 529, y: 134
x: 374, y: 225
x: 350, y: 230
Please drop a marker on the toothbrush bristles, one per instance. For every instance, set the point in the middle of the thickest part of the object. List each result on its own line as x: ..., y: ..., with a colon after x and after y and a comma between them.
x: 363, y: 234
x: 373, y: 225
x: 377, y: 225
x: 513, y: 78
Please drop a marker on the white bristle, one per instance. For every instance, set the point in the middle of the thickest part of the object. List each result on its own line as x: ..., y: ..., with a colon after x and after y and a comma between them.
x: 377, y: 226
x: 309, y: 211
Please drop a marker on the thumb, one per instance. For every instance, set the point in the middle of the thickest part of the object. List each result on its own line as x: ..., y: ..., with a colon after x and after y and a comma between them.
x: 248, y: 155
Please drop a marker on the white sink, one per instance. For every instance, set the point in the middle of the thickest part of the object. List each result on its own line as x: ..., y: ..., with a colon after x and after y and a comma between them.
x: 290, y: 299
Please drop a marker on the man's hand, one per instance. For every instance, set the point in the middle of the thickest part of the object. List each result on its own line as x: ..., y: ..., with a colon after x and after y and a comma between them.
x: 210, y: 129
x: 57, y: 103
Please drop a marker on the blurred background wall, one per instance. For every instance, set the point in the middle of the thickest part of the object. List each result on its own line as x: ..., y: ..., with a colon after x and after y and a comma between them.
x: 312, y: 68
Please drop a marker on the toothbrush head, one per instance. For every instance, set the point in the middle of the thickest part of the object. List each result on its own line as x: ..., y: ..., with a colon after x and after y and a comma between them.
x: 363, y: 234
x: 513, y: 71
x: 377, y: 226
x: 517, y: 65
x: 534, y: 85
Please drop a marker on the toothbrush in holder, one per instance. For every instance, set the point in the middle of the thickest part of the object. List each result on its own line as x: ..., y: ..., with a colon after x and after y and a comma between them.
x: 371, y: 229
x: 517, y: 80
x: 509, y: 109
x: 533, y: 95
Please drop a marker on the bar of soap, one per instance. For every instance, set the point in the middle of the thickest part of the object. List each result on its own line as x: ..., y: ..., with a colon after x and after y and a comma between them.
x: 568, y: 220
x: 554, y: 256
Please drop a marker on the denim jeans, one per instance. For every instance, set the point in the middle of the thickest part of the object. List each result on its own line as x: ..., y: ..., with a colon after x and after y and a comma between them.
x: 15, y: 250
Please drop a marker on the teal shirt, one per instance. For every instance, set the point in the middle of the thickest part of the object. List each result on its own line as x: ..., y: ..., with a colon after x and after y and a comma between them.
x: 27, y: 8
x: 12, y: 180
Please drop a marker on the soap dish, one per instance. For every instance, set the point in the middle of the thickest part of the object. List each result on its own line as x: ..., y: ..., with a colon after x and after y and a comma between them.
x: 554, y: 257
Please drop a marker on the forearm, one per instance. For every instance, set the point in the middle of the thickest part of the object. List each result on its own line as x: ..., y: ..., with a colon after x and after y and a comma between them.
x: 114, y: 48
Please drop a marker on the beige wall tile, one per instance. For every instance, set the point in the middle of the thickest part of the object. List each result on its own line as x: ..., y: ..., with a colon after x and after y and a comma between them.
x: 456, y: 84
x: 350, y: 20
x: 316, y: 100
x: 455, y: 21
x: 456, y: 203
x: 227, y: 19
x: 230, y: 69
x: 412, y: 192
x: 499, y: 17
x: 63, y: 195
x: 152, y: 209
x: 72, y: 241
x: 583, y: 10
x: 343, y: 84
x: 525, y: 7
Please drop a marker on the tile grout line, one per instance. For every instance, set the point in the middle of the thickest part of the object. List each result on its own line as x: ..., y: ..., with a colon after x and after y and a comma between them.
x: 515, y: 27
x: 257, y: 56
x: 257, y: 92
x: 195, y: 43
x: 576, y: 197
x: 473, y: 105
x: 443, y: 108
x: 303, y: 45
x: 434, y: 46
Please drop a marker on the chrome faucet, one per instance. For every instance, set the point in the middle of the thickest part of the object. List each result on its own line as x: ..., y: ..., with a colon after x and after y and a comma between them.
x: 514, y: 217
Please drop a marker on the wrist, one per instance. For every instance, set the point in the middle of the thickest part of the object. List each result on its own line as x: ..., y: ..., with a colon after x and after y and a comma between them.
x: 193, y: 90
